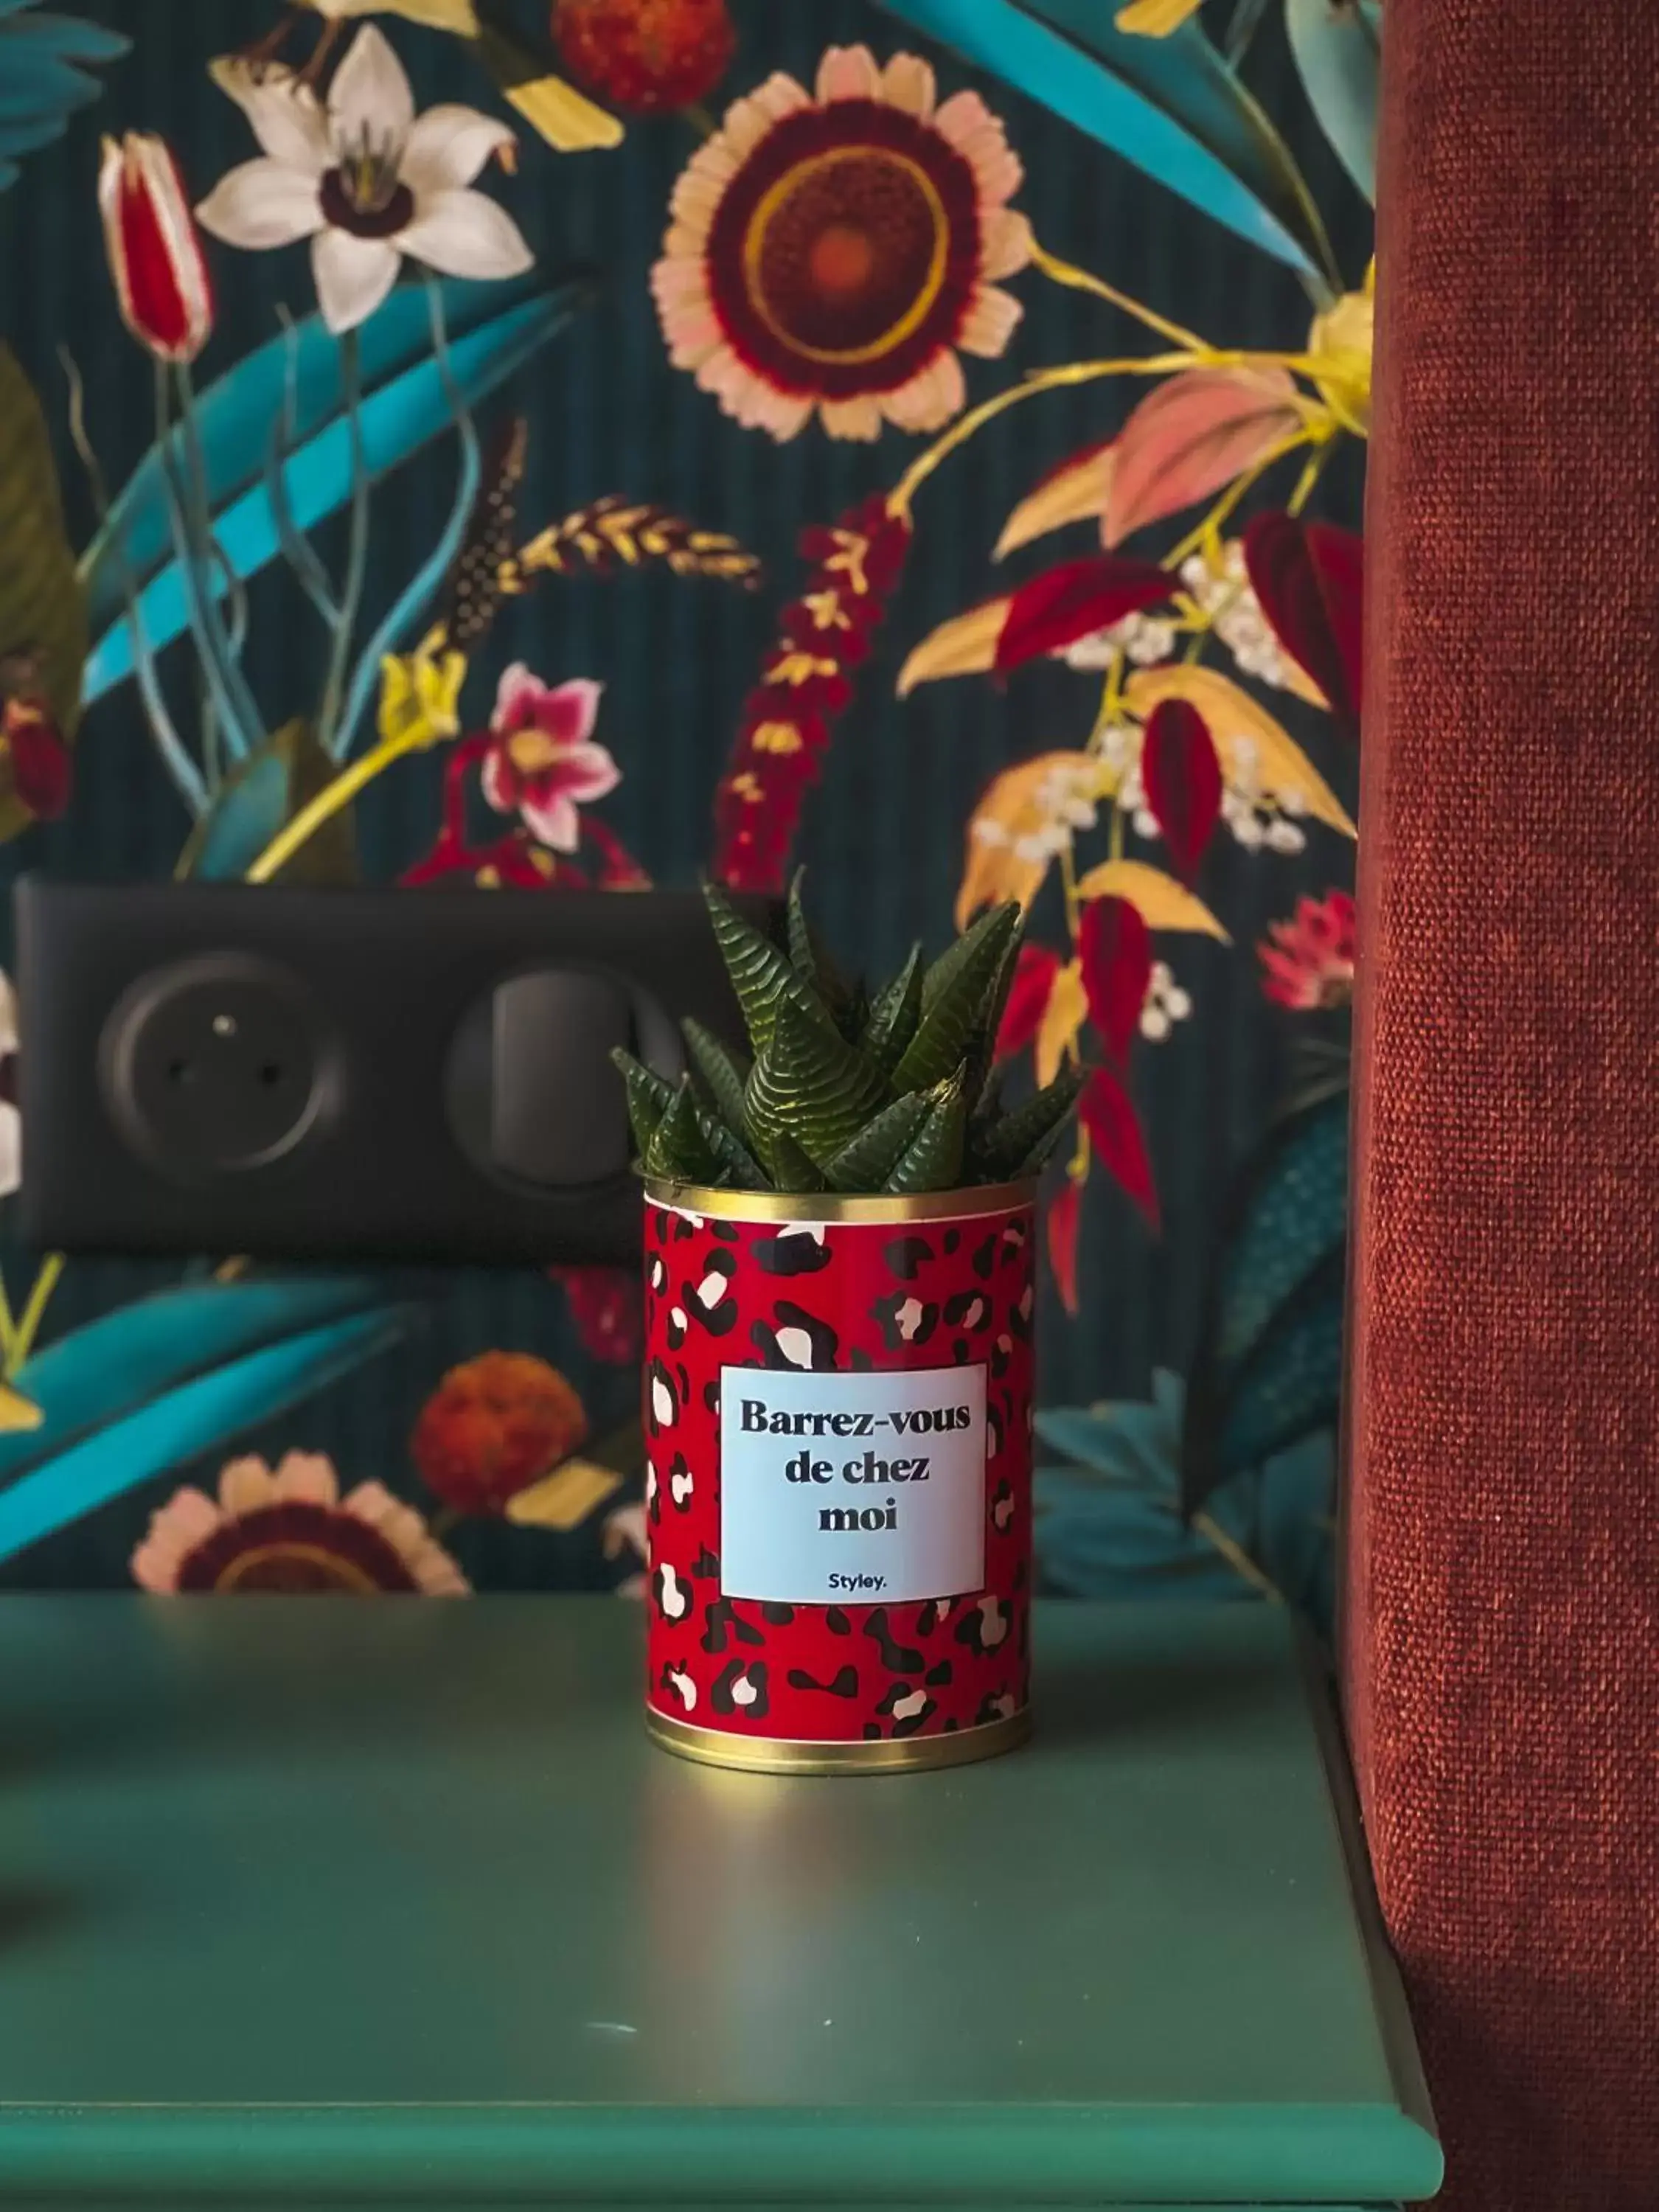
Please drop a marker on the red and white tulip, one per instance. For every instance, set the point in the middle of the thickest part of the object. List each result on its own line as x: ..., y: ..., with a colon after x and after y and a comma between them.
x: 161, y: 281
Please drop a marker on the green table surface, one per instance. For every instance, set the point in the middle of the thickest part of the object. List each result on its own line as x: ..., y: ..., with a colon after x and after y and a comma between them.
x: 392, y: 1902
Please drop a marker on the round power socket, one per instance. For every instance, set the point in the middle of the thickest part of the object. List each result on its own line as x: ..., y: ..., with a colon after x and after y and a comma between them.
x: 215, y: 1065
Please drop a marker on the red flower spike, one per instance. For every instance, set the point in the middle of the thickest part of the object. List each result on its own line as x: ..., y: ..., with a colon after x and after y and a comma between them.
x: 1107, y: 1112
x: 1061, y: 1222
x: 1034, y: 971
x: 1182, y: 772
x: 42, y: 773
x: 1115, y: 953
x: 1310, y: 579
x: 1065, y: 604
x: 804, y: 685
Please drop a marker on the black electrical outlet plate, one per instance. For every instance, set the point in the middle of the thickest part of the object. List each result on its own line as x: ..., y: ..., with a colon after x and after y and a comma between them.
x: 395, y: 1075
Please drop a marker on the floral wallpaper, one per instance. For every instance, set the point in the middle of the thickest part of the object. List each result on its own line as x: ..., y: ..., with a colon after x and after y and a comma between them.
x: 479, y: 443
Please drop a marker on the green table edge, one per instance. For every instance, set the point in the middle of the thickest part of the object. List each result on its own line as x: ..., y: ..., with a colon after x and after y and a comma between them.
x: 972, y: 2155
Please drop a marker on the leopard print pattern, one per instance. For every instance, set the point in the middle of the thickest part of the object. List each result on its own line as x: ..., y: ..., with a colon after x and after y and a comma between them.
x: 834, y: 1296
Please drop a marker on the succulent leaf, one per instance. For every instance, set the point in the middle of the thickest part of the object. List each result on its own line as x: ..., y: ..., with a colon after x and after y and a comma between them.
x: 723, y: 1073
x: 812, y: 963
x: 762, y: 978
x: 791, y: 1168
x: 1009, y: 1143
x: 871, y: 1158
x: 812, y: 1083
x: 648, y: 1098
x: 951, y: 1020
x: 933, y: 1159
x: 679, y: 1152
x: 895, y: 1014
x: 943, y: 972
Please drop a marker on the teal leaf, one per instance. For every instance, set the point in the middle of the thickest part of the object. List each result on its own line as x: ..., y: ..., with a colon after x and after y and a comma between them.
x: 1110, y: 1524
x: 1290, y: 1388
x: 1171, y: 106
x: 1268, y: 1369
x: 44, y: 60
x: 494, y: 330
x: 161, y: 1382
x: 1288, y: 1211
x: 267, y: 789
x: 1338, y: 46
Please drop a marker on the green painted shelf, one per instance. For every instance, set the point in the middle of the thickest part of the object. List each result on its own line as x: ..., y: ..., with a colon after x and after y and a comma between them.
x: 392, y: 1904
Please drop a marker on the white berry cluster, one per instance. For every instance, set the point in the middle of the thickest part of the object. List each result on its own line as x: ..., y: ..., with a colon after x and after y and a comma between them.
x: 1166, y: 1004
x: 1224, y: 593
x: 1145, y: 640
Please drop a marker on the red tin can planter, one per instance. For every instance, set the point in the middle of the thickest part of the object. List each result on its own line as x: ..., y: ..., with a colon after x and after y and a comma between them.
x: 837, y: 1406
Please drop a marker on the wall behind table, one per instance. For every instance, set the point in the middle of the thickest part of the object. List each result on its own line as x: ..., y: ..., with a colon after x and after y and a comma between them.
x: 884, y: 833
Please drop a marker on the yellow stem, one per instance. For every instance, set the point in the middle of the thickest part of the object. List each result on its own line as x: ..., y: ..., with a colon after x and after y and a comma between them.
x: 1042, y: 380
x: 1318, y: 423
x: 1079, y: 280
x: 1235, y: 492
x: 1237, y: 1557
x: 1115, y: 845
x: 1068, y: 884
x: 330, y: 800
x: 27, y: 1328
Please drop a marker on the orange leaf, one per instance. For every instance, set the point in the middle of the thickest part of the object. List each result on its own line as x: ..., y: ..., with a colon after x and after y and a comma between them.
x: 1062, y: 1017
x: 1077, y: 491
x: 1006, y: 857
x: 1191, y: 436
x: 1241, y: 729
x: 964, y: 646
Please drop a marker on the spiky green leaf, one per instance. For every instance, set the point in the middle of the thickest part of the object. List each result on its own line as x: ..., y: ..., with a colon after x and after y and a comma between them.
x: 679, y: 1151
x: 648, y: 1098
x: 866, y: 1163
x: 762, y: 978
x: 791, y: 1168
x: 952, y: 1016
x: 812, y: 1083
x: 812, y: 963
x: 723, y: 1074
x: 944, y: 971
x: 1011, y: 1142
x: 983, y: 1054
x: 933, y: 1159
x: 893, y: 1017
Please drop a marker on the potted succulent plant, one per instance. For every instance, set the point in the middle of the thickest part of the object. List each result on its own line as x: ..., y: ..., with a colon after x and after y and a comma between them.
x: 837, y: 1389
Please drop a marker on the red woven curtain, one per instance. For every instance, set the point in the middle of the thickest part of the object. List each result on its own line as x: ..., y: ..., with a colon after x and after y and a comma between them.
x: 1502, y: 1654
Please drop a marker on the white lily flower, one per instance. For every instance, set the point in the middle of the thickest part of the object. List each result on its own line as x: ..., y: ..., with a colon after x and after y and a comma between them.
x: 365, y: 180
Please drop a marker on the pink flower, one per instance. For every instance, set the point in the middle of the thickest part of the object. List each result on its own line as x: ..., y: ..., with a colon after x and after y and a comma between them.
x: 1309, y: 960
x: 543, y: 764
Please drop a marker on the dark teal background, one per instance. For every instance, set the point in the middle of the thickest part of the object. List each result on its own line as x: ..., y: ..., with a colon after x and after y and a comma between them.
x: 884, y: 833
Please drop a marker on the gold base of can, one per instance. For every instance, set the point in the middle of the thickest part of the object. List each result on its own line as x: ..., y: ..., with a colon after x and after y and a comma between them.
x: 759, y: 1754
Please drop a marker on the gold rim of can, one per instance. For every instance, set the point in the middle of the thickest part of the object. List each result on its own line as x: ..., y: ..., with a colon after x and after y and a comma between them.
x: 967, y: 1205
x: 759, y: 1754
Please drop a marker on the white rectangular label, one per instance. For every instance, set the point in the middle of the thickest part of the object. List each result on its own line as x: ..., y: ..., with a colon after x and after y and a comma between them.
x: 855, y: 1489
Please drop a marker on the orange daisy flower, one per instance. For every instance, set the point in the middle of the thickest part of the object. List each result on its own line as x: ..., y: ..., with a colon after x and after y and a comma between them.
x: 832, y: 254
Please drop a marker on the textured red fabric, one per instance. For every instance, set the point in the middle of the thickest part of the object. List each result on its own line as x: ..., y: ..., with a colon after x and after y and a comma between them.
x: 1501, y: 1654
